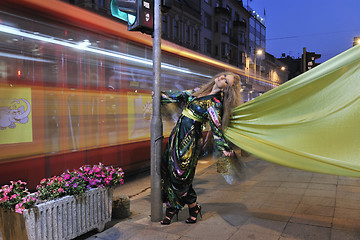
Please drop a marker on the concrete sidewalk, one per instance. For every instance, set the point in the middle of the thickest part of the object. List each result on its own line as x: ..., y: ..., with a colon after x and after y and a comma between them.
x: 274, y: 202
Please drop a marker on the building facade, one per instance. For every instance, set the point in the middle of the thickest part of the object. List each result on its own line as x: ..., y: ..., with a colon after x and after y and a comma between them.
x: 225, y: 30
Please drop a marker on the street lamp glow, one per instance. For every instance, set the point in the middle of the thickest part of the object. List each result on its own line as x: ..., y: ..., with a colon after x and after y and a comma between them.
x: 283, y: 68
x: 259, y: 52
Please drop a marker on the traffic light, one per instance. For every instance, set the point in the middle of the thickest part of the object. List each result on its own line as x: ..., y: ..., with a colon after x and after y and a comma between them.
x: 356, y: 41
x: 138, y: 13
x: 310, y: 58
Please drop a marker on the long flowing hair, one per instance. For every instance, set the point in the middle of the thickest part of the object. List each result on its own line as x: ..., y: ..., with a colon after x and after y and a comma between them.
x: 231, y: 93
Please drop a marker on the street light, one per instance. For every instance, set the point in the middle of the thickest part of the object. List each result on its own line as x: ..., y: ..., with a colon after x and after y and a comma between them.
x: 257, y: 52
x: 283, y: 68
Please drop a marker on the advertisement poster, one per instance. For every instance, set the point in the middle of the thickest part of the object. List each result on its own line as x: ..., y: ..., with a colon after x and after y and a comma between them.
x: 15, y: 115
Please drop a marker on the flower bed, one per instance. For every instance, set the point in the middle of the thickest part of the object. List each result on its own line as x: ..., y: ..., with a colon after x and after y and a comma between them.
x: 79, y: 200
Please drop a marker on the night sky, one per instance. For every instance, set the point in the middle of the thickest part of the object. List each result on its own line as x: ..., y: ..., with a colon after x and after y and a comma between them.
x: 322, y: 26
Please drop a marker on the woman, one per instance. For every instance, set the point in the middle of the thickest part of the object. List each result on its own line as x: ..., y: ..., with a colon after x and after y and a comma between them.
x: 211, y: 103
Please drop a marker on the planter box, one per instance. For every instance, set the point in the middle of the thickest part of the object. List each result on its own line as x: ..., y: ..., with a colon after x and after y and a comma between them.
x: 63, y: 218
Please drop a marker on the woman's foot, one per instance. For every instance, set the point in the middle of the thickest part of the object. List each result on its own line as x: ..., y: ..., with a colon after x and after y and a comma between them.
x: 170, y: 212
x: 194, y: 210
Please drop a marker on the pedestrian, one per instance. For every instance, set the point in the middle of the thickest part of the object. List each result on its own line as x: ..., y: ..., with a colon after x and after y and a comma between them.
x: 210, y: 103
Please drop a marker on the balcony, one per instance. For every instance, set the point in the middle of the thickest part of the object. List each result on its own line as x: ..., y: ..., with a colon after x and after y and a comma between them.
x: 240, y: 24
x: 222, y: 11
x: 234, y: 41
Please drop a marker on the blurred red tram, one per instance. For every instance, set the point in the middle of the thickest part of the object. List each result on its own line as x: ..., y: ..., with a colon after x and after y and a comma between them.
x: 75, y: 89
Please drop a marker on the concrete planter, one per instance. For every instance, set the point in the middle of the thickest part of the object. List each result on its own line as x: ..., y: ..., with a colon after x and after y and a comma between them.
x: 63, y: 218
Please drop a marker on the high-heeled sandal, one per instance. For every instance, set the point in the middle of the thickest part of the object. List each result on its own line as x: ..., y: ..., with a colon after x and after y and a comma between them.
x: 193, y: 212
x: 170, y: 212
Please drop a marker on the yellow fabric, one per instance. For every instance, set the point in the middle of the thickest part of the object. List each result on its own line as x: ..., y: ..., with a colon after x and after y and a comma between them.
x: 310, y: 123
x: 187, y: 113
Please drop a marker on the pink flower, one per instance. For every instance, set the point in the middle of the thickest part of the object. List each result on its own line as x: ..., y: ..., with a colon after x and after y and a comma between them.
x: 66, y: 176
x: 108, y: 179
x: 19, y: 208
x: 23, y: 183
x: 97, y: 169
x: 8, y: 189
x: 32, y: 199
x: 92, y: 182
x: 75, y: 185
x: 60, y: 190
x: 5, y: 198
x: 14, y: 196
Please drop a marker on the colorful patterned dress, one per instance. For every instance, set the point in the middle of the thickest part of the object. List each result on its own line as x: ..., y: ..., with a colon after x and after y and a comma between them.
x: 185, y: 143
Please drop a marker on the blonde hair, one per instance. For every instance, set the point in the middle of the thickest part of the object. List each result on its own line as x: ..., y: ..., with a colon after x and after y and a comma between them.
x: 232, y: 95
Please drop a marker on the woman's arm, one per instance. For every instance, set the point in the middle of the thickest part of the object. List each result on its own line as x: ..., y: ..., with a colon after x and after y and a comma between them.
x: 175, y: 97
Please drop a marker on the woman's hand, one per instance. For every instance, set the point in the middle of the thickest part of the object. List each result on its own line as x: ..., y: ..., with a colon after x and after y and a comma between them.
x: 228, y: 153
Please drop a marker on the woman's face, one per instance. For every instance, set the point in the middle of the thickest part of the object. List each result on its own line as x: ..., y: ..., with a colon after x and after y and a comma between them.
x: 224, y: 80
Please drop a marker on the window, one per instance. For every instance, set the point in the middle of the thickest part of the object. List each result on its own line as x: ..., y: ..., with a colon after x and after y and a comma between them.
x: 164, y: 25
x: 252, y: 37
x: 252, y: 22
x: 176, y: 29
x: 196, y: 37
x: 237, y: 17
x: 187, y: 33
x: 225, y: 50
x: 229, y: 9
x: 257, y: 41
x: 72, y: 72
x: 216, y: 25
x: 207, y: 45
x: 225, y: 27
x: 242, y: 37
x: 216, y: 50
x: 262, y: 30
x: 101, y: 3
x: 207, y: 21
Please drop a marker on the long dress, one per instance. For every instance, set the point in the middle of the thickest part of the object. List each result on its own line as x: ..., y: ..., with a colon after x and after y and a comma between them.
x: 185, y: 143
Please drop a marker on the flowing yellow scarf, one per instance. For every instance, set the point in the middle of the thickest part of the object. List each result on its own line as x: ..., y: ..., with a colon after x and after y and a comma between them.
x: 310, y: 123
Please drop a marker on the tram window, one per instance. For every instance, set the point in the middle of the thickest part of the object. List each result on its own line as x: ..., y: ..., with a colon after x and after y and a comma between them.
x: 3, y: 72
x: 51, y: 74
x: 52, y: 130
x: 112, y: 76
x: 93, y: 78
x: 73, y: 119
x: 89, y: 75
x: 112, y: 118
x: 91, y: 121
x: 72, y: 73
